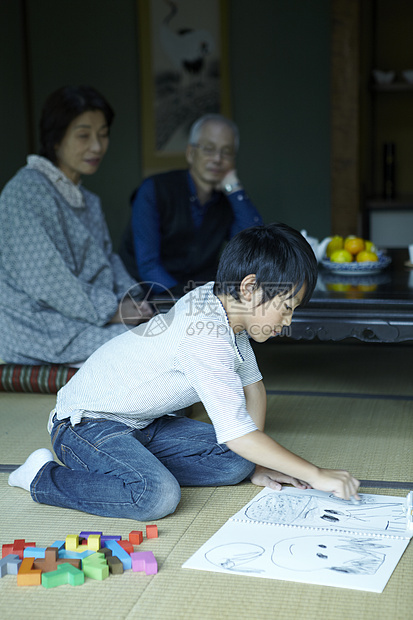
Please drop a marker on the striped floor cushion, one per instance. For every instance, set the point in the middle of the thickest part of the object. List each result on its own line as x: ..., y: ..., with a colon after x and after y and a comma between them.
x: 46, y: 379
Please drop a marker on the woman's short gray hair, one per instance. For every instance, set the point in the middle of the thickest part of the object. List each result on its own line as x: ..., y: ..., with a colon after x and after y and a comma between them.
x: 218, y: 118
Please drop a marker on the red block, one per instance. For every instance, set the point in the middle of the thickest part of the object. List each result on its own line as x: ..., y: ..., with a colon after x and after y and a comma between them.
x: 151, y: 531
x: 136, y: 537
x: 16, y: 548
x: 126, y: 545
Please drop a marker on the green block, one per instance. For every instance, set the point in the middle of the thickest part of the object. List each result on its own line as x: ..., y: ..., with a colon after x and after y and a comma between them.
x: 95, y: 566
x: 65, y: 573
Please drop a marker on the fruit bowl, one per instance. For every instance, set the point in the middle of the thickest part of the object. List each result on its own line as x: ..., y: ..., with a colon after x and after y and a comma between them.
x: 354, y: 268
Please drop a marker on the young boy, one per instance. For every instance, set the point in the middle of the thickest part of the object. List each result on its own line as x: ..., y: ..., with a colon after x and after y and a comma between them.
x: 125, y: 450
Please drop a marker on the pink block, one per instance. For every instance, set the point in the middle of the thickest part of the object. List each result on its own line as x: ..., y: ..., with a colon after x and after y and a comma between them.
x: 144, y: 561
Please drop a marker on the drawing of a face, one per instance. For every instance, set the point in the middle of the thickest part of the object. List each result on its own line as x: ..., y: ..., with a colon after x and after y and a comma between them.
x: 313, y: 553
x: 234, y: 555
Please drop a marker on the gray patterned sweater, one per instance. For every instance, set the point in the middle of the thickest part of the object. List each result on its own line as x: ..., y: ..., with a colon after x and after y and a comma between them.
x: 60, y: 282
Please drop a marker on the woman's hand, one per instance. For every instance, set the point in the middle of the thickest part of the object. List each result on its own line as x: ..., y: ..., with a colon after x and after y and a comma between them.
x: 264, y: 477
x: 131, y: 312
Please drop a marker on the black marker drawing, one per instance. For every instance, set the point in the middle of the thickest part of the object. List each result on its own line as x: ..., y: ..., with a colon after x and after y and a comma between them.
x: 312, y: 511
x: 234, y: 556
x: 360, y: 556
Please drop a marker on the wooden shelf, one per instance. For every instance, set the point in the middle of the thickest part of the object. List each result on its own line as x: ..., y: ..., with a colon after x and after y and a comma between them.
x: 394, y: 87
x: 398, y: 203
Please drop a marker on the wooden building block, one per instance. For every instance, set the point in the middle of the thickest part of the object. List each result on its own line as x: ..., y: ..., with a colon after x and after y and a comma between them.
x: 136, y: 537
x: 95, y: 566
x: 115, y: 565
x: 65, y: 573
x: 120, y: 553
x: 126, y: 545
x: 17, y: 547
x: 144, y: 561
x: 151, y: 531
x: 9, y: 565
x: 27, y: 575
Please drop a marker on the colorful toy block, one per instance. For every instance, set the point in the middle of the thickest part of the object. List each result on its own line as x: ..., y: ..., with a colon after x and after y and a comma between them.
x: 151, y: 531
x: 27, y: 575
x: 39, y: 552
x: 51, y: 561
x: 74, y: 555
x: 9, y: 565
x: 110, y: 537
x: 73, y: 544
x: 68, y: 561
x: 115, y: 565
x: 126, y: 545
x: 136, y: 537
x: 120, y: 553
x: 95, y: 566
x: 65, y: 573
x: 106, y: 552
x: 34, y: 552
x: 144, y: 561
x: 17, y: 547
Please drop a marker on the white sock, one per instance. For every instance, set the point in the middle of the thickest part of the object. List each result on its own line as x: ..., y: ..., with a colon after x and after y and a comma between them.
x: 23, y: 475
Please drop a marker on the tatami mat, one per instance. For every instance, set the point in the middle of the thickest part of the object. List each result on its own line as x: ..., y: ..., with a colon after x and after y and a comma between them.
x: 370, y: 436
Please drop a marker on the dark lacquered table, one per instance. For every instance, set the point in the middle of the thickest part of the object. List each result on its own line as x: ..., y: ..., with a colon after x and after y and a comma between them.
x: 374, y: 308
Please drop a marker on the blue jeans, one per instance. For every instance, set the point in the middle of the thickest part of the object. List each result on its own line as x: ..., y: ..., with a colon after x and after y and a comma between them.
x: 113, y: 470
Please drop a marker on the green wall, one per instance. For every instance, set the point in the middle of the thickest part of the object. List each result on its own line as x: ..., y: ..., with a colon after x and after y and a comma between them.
x: 279, y: 66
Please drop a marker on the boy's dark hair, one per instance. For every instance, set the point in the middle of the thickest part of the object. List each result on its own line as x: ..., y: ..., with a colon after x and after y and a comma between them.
x: 61, y: 108
x: 279, y: 256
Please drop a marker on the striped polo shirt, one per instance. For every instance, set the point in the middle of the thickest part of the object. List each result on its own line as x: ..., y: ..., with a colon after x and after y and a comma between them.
x: 187, y: 355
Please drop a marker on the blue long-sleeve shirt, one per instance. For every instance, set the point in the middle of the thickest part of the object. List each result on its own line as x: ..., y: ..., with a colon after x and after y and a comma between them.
x: 146, y: 227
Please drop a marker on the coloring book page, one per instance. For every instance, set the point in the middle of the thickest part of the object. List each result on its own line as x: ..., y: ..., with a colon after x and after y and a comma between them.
x: 284, y: 535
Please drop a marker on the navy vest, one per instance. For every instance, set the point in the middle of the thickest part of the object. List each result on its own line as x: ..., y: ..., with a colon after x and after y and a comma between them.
x: 187, y: 253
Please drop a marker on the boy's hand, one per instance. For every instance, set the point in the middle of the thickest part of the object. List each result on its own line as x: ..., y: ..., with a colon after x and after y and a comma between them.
x: 336, y: 481
x: 264, y: 477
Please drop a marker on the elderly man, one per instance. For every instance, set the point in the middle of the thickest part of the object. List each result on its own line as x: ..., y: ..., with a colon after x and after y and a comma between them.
x: 181, y: 219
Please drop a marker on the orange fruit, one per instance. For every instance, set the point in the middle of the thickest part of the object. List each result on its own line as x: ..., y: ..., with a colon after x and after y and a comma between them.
x: 354, y: 245
x: 364, y: 257
x: 340, y: 288
x: 341, y: 256
x: 336, y: 243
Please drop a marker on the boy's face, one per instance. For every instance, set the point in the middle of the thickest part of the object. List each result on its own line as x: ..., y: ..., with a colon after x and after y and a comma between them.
x: 263, y: 320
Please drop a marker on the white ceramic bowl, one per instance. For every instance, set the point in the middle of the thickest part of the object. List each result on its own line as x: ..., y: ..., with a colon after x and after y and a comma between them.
x: 384, y: 77
x: 408, y: 75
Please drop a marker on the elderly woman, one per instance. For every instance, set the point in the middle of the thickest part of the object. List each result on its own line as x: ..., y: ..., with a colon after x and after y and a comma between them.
x: 61, y: 286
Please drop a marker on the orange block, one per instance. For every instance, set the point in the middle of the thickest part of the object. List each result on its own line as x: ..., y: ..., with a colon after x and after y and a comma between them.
x: 151, y: 531
x: 27, y: 575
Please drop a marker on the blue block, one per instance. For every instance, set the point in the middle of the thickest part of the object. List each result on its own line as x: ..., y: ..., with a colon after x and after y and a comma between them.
x: 9, y: 565
x: 34, y: 552
x: 120, y: 553
x: 64, y: 554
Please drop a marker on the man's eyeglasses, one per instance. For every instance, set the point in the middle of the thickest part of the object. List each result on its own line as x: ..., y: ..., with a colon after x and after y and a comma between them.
x: 208, y: 150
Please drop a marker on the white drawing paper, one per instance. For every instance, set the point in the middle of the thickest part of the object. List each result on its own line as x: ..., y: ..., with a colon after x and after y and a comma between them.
x: 311, y: 537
